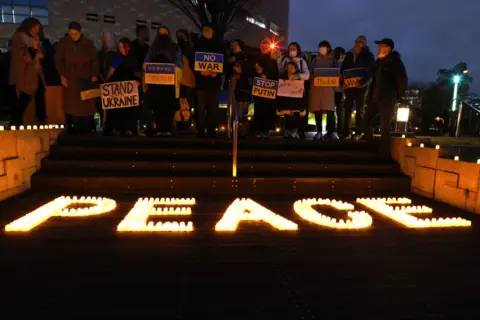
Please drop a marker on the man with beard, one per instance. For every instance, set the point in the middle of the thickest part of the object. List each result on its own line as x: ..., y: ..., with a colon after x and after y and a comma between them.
x: 388, y: 86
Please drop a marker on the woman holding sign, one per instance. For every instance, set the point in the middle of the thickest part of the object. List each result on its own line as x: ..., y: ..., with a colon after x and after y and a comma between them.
x: 124, y: 67
x: 294, y: 69
x: 162, y: 97
x: 325, y: 78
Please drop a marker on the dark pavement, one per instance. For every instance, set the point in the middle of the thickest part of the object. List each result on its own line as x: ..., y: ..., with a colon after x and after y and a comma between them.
x: 82, y: 269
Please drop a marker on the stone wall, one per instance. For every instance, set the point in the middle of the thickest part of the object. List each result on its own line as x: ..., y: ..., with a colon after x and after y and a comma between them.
x: 21, y: 154
x: 437, y: 176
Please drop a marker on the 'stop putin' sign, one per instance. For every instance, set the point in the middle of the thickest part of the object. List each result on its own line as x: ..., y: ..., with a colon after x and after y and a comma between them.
x: 210, y: 62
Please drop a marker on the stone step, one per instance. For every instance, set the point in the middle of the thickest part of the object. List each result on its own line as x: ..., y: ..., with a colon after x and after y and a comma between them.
x: 84, y: 153
x: 243, y: 187
x: 217, y: 168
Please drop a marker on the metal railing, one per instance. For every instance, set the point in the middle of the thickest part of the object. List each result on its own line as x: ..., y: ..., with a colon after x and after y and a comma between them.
x: 232, y: 126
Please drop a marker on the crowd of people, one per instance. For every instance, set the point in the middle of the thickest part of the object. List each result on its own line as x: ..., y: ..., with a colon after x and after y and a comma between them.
x: 74, y: 63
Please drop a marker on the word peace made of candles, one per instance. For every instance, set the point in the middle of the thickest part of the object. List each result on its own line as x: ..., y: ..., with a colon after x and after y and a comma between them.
x: 398, y: 209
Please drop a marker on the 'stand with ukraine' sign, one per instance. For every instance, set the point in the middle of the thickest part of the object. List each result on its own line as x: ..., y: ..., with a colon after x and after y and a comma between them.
x: 265, y: 88
x: 327, y: 77
x: 159, y: 73
x: 210, y: 62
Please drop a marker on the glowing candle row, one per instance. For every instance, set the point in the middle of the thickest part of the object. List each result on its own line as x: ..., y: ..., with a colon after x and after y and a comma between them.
x: 45, y: 127
x: 249, y: 210
x: 171, y: 211
x: 380, y: 206
x: 339, y: 205
x: 414, y: 209
x: 359, y: 220
x: 58, y: 207
x: 136, y: 219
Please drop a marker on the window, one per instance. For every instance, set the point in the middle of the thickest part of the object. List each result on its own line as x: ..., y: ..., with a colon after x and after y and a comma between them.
x: 156, y: 25
x: 15, y: 11
x: 108, y: 19
x: 274, y: 29
x: 256, y: 22
x: 92, y: 17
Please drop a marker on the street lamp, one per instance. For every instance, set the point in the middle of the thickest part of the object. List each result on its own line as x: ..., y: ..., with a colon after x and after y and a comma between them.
x: 456, y: 81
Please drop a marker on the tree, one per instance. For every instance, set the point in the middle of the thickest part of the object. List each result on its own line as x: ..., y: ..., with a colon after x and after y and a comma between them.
x: 220, y: 14
x: 445, y: 78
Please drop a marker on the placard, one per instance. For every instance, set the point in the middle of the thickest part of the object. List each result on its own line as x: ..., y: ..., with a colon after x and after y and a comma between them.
x: 353, y: 76
x: 210, y: 62
x: 265, y: 88
x: 89, y: 90
x: 116, y: 95
x: 291, y: 88
x: 159, y: 73
x: 326, y: 77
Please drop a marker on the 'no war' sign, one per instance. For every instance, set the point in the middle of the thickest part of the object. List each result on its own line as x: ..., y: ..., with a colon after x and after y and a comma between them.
x: 211, y: 62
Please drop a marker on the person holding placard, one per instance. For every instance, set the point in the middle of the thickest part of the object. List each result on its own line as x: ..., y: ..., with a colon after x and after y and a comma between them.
x: 361, y: 62
x: 325, y: 78
x: 293, y: 67
x: 266, y: 68
x: 162, y: 97
x: 76, y: 60
x: 124, y: 67
x: 209, y: 54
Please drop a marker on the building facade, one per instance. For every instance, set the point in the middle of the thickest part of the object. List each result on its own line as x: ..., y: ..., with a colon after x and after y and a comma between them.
x: 268, y: 18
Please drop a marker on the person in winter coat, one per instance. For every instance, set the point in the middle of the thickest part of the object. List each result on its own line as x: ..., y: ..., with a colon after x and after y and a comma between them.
x: 265, y: 109
x: 241, y: 71
x: 140, y: 48
x: 322, y: 99
x: 124, y: 68
x: 359, y: 57
x: 339, y: 55
x: 26, y: 72
x: 187, y: 83
x: 162, y: 98
x: 388, y: 86
x: 293, y: 67
x: 76, y: 60
x: 208, y: 84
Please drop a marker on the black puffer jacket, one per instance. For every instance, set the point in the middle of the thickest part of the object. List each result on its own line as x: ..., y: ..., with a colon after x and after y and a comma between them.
x: 390, y: 79
x: 365, y: 59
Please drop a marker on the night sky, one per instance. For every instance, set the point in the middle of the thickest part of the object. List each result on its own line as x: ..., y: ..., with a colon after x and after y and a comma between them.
x: 429, y: 34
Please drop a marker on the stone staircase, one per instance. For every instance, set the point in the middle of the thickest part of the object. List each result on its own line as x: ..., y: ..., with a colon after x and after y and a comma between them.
x: 187, y: 166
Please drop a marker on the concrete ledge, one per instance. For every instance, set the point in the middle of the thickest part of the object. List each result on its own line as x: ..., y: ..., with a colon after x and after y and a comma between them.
x: 21, y: 154
x: 437, y: 175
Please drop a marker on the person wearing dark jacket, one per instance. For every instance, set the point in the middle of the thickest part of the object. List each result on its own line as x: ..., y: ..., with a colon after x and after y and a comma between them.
x: 388, y: 86
x: 265, y: 109
x: 359, y: 57
x: 208, y: 85
x: 339, y: 54
x: 124, y: 68
x: 162, y: 98
x: 241, y: 71
x: 187, y: 82
x: 140, y: 49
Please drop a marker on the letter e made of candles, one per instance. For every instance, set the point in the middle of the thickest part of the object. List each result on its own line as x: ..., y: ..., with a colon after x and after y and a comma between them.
x: 265, y: 88
x: 118, y: 95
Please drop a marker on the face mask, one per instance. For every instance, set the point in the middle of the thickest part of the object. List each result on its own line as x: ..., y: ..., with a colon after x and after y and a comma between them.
x: 323, y: 51
x: 292, y: 53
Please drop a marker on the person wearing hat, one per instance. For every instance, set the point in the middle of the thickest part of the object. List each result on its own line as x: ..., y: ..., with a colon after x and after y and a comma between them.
x: 76, y: 60
x: 208, y: 84
x: 359, y: 57
x: 388, y: 86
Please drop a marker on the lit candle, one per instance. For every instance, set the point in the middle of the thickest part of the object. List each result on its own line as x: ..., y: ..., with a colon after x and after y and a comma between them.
x: 437, y: 147
x: 457, y: 158
x: 13, y: 128
x: 422, y: 145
